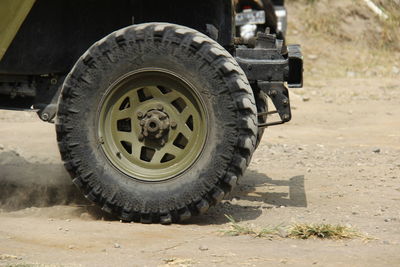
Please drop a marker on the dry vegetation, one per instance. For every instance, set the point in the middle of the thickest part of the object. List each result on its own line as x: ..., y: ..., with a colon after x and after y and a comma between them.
x: 345, y: 38
x: 322, y: 231
x: 296, y: 231
x: 237, y: 229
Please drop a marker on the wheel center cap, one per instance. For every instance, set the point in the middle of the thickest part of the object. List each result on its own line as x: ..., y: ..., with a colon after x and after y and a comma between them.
x: 155, y: 124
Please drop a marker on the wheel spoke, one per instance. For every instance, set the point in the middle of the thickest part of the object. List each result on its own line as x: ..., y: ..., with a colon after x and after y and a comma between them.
x: 123, y: 114
x: 184, y: 129
x: 158, y: 156
x: 185, y: 114
x: 156, y: 93
x: 125, y: 136
x: 132, y: 139
x: 170, y: 148
x: 134, y: 99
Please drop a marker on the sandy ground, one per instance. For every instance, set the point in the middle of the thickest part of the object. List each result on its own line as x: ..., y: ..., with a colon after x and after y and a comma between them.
x: 336, y: 162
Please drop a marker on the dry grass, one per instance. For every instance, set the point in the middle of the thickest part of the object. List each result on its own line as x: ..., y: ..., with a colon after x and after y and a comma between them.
x: 322, y: 231
x: 239, y: 230
x: 339, y: 21
x: 296, y: 231
x: 389, y: 34
x: 324, y: 23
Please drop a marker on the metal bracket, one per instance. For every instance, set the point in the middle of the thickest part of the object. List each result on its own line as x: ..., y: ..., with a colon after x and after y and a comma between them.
x: 48, y: 105
x: 279, y: 95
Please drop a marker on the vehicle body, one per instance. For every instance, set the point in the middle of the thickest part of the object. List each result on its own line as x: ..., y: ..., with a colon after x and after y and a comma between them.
x: 53, y: 53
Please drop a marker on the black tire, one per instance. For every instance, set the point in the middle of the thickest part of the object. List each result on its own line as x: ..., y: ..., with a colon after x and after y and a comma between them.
x: 232, y: 122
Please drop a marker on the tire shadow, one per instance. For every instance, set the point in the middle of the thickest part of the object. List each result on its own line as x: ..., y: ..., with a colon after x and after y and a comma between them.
x: 255, y: 193
x: 260, y: 187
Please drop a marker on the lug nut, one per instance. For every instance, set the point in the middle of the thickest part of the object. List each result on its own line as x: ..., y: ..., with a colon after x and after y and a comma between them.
x: 160, y: 107
x: 140, y: 115
x: 285, y: 117
x: 174, y: 124
x: 285, y: 102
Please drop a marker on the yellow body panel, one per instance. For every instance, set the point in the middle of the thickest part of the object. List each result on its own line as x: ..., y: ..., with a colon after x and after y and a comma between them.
x: 12, y: 15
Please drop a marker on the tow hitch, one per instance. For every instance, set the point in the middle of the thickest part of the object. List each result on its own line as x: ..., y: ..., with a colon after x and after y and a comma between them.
x: 272, y: 67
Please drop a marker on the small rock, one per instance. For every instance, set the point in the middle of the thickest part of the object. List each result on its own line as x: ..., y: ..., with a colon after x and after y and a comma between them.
x: 351, y: 74
x: 377, y: 150
x: 395, y: 70
x: 282, y: 233
x: 71, y: 247
x: 306, y: 98
x: 203, y: 248
x: 234, y: 200
x: 1, y: 147
x: 386, y: 242
x: 308, y: 170
x: 312, y: 56
x: 116, y: 245
x: 387, y: 220
x: 68, y: 220
x: 60, y: 228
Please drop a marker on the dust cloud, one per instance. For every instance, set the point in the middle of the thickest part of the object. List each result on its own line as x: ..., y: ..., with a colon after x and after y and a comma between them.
x: 29, y: 183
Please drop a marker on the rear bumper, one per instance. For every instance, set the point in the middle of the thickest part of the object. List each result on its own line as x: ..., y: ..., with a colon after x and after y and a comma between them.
x: 265, y: 62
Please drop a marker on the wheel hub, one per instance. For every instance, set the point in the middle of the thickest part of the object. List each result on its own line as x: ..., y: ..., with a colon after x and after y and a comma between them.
x: 154, y: 125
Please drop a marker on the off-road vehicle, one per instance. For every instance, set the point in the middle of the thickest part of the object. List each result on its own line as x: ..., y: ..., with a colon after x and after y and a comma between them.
x: 158, y: 105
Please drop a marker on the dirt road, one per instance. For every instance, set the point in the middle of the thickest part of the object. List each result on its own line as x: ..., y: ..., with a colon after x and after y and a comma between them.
x: 336, y: 162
